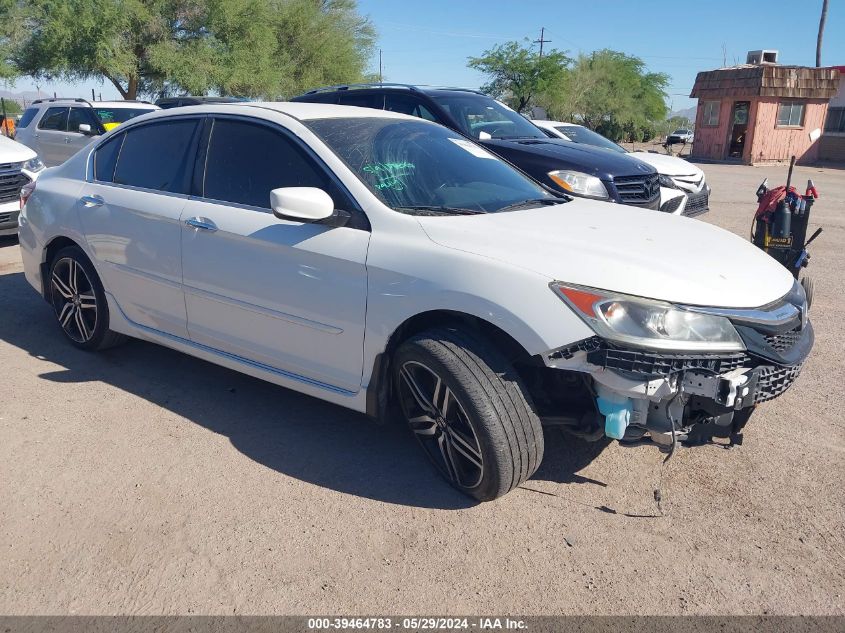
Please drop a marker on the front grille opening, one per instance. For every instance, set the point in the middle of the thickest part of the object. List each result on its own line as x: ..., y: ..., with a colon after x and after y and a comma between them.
x: 784, y: 341
x: 637, y: 188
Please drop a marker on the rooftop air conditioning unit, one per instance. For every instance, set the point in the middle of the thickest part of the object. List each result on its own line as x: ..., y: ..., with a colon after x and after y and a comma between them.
x: 758, y: 58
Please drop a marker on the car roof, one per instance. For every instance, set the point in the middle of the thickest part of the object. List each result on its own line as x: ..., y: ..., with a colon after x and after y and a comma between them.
x: 302, y: 111
x: 125, y: 104
x: 393, y: 87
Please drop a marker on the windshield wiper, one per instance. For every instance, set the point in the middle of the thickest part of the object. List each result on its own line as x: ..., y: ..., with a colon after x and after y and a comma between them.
x: 422, y: 209
x: 536, y: 202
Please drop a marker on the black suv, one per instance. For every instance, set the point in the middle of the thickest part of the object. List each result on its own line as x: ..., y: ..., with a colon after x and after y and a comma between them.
x: 574, y: 169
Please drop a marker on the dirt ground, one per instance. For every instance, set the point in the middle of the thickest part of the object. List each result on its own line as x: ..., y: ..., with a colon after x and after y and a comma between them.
x: 142, y: 481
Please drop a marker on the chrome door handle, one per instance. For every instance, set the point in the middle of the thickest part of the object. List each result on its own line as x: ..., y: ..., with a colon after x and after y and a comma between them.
x: 201, y: 223
x: 92, y: 201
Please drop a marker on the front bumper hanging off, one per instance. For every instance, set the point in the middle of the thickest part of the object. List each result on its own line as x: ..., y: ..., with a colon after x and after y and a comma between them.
x: 670, y: 397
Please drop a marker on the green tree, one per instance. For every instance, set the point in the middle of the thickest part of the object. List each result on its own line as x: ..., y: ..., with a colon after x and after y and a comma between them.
x: 517, y: 74
x: 253, y: 48
x: 612, y: 93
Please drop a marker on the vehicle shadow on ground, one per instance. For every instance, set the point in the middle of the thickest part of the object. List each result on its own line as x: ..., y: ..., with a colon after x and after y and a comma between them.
x: 291, y: 433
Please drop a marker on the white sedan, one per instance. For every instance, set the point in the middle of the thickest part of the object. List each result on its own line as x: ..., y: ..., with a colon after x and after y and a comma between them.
x: 384, y: 263
x: 683, y: 188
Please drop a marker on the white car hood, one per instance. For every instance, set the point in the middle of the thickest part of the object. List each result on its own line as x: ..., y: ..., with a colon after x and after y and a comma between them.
x: 668, y: 165
x: 14, y: 152
x: 619, y: 248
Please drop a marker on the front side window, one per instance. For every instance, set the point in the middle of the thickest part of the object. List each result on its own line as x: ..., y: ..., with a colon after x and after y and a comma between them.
x: 54, y: 119
x: 246, y: 161
x: 710, y: 116
x: 484, y: 118
x: 27, y: 117
x: 578, y: 134
x: 155, y: 156
x: 405, y: 104
x: 791, y: 113
x: 362, y: 100
x: 79, y: 116
x: 419, y: 168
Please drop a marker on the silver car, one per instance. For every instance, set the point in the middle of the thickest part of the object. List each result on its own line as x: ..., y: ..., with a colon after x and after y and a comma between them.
x: 58, y: 128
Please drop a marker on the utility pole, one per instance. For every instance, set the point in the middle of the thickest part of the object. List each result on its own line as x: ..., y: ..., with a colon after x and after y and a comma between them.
x: 379, y: 66
x: 822, y: 20
x: 542, y: 40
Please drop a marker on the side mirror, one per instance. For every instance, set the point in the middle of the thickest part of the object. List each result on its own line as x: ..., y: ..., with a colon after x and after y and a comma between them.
x: 302, y: 204
x: 84, y: 128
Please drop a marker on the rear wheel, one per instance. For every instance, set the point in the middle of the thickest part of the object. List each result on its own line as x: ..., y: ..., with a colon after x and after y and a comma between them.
x: 79, y: 301
x: 469, y: 412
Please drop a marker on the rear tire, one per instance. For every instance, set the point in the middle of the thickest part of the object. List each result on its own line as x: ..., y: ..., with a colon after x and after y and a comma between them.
x: 79, y: 301
x: 469, y: 410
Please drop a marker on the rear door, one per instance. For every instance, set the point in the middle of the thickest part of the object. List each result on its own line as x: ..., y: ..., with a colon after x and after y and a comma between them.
x: 130, y: 213
x: 288, y: 295
x: 50, y: 136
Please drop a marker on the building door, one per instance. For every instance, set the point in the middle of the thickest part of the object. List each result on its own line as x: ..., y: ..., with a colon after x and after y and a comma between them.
x: 739, y: 129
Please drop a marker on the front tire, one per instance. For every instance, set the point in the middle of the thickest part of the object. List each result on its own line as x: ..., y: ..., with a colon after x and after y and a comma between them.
x: 79, y: 301
x: 469, y: 411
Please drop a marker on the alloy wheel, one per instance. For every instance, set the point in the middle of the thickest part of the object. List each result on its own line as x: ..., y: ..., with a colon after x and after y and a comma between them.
x: 440, y: 424
x: 74, y: 299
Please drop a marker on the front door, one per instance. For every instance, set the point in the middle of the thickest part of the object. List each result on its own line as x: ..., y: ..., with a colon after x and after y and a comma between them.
x: 739, y: 129
x: 131, y: 215
x: 290, y: 296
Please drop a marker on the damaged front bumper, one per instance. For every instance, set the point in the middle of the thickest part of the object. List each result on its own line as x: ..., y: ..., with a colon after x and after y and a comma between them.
x: 669, y: 397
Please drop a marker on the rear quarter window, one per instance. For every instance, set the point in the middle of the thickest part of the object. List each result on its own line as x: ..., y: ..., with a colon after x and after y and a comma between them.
x: 27, y: 117
x: 105, y: 159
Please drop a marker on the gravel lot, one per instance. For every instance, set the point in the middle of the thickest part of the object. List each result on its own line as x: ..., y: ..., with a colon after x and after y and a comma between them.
x: 142, y: 481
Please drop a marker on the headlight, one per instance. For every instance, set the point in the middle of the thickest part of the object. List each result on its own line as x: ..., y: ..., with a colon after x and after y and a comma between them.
x: 665, y: 181
x: 648, y: 323
x: 579, y: 183
x: 33, y: 164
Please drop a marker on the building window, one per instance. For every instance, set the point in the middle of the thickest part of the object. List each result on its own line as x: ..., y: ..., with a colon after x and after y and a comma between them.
x: 835, y: 120
x: 711, y: 113
x: 790, y: 114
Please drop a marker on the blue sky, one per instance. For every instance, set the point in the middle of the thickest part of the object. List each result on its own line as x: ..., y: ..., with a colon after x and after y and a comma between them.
x: 429, y: 41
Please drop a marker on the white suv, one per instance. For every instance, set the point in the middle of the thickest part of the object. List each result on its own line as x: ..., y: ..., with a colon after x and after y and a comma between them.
x: 19, y: 166
x: 375, y: 259
x: 58, y: 128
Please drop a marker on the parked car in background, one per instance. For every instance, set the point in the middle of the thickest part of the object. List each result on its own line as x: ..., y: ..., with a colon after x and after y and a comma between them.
x: 177, y: 102
x: 19, y: 165
x: 682, y: 135
x: 683, y: 188
x: 58, y: 128
x: 384, y: 263
x: 579, y: 170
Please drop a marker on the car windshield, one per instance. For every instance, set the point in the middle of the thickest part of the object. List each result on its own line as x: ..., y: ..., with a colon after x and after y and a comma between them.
x: 424, y: 169
x: 681, y: 132
x: 483, y: 118
x: 118, y: 115
x: 579, y: 134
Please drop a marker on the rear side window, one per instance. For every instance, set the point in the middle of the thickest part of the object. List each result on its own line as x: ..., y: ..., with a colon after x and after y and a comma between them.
x: 105, y: 159
x: 27, y: 117
x: 155, y: 156
x: 235, y: 173
x: 54, y: 119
